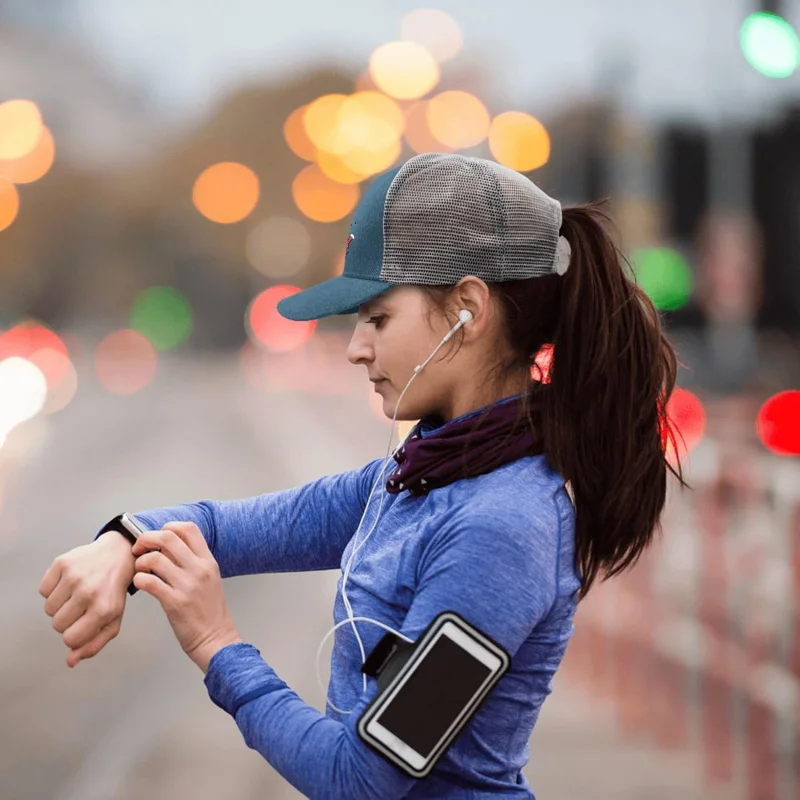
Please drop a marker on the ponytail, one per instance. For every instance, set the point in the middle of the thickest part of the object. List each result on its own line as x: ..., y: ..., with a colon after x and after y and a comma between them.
x: 601, y: 409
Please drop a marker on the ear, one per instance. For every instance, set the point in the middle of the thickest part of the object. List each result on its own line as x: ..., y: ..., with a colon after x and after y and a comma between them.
x: 473, y: 294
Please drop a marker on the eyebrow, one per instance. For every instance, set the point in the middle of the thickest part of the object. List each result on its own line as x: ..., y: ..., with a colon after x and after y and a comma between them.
x: 375, y: 303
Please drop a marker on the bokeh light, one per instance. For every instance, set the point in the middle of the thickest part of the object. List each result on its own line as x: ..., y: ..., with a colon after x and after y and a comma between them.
x: 458, y: 119
x: 369, y: 162
x: 540, y: 370
x: 294, y: 131
x: 279, y: 246
x: 54, y: 364
x: 418, y: 132
x: 125, y: 362
x: 370, y: 120
x: 333, y: 167
x: 435, y: 30
x: 268, y: 328
x: 356, y: 136
x: 63, y: 393
x: 665, y: 277
x: 226, y: 192
x: 770, y: 44
x: 27, y: 338
x: 9, y: 203
x: 322, y: 199
x: 23, y: 391
x: 687, y: 418
x: 20, y: 128
x: 519, y: 141
x: 405, y: 70
x: 321, y: 122
x: 34, y: 165
x: 778, y: 424
x: 163, y: 315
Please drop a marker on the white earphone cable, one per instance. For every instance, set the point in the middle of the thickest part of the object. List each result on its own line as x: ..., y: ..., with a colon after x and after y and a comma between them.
x: 464, y: 316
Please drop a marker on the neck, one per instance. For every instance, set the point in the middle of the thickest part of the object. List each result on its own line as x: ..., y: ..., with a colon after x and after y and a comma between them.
x: 473, y: 397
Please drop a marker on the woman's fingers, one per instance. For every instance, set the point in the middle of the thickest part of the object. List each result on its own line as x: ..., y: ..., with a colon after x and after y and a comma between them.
x: 58, y: 595
x: 69, y: 613
x: 167, y: 542
x: 93, y: 647
x: 160, y: 565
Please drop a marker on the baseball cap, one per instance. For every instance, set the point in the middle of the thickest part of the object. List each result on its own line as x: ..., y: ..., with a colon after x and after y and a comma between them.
x: 435, y: 219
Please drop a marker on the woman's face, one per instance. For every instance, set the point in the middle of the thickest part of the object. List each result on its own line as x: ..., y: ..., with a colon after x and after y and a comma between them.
x: 393, y: 335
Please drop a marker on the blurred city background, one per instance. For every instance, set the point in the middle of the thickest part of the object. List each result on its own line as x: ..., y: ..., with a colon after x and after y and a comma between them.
x: 169, y: 171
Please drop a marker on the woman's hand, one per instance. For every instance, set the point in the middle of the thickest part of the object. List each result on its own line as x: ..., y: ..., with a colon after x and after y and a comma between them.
x: 186, y: 581
x: 86, y: 589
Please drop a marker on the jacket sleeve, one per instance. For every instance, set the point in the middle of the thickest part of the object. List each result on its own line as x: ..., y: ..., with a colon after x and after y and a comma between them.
x: 502, y: 579
x: 294, y: 530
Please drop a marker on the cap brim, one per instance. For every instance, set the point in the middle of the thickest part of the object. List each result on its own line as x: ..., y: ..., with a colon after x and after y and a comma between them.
x: 340, y: 295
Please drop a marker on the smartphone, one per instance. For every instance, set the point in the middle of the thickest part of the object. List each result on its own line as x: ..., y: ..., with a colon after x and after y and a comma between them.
x: 434, y: 695
x: 128, y: 521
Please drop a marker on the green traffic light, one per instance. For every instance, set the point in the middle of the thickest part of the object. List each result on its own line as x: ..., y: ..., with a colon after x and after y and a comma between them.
x: 163, y: 315
x: 770, y: 44
x: 664, y: 276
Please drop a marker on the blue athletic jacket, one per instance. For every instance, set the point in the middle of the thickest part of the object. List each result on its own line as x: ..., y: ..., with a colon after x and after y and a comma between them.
x: 498, y: 549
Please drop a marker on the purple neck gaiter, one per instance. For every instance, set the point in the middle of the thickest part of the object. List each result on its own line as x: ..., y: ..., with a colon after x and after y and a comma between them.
x: 454, y: 450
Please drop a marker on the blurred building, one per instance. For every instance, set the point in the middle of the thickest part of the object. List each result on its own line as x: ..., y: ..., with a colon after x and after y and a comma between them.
x: 96, y: 117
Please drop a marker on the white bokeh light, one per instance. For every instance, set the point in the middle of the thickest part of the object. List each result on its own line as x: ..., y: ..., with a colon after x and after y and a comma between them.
x: 23, y: 392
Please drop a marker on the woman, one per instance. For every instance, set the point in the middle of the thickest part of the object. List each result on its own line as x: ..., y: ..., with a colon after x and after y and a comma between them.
x: 460, y: 271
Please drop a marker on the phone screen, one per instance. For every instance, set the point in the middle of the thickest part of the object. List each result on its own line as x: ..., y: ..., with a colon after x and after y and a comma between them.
x: 435, y: 693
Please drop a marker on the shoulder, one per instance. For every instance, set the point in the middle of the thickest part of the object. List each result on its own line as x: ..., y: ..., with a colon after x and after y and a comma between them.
x: 518, y: 512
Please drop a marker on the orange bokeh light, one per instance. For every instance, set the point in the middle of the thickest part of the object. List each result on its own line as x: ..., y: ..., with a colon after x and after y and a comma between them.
x: 323, y: 199
x: 9, y: 203
x: 34, y: 165
x: 334, y: 168
x: 20, y: 128
x: 371, y: 162
x: 321, y: 122
x: 226, y: 192
x: 405, y: 70
x: 458, y: 119
x: 519, y: 141
x: 294, y: 131
x: 418, y: 133
x: 125, y: 362
x: 269, y: 329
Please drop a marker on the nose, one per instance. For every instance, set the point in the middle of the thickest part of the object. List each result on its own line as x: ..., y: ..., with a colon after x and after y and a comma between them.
x: 360, y: 350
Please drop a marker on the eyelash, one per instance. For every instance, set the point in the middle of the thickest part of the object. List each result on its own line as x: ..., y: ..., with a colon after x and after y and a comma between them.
x: 376, y: 319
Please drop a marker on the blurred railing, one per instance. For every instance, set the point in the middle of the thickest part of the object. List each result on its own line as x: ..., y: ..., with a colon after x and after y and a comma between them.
x: 698, y: 646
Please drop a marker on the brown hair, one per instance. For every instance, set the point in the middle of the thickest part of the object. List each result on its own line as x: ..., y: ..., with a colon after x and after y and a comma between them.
x: 602, y: 414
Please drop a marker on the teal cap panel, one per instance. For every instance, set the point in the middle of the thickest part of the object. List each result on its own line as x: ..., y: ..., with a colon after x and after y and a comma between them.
x: 364, y: 256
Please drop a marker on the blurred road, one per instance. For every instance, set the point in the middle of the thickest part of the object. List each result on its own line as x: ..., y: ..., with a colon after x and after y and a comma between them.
x: 136, y: 721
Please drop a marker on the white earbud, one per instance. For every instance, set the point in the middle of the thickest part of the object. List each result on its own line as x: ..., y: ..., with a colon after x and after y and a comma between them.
x: 464, y: 316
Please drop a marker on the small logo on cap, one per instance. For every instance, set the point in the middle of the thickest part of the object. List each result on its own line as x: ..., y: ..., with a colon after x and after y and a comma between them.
x: 349, y: 242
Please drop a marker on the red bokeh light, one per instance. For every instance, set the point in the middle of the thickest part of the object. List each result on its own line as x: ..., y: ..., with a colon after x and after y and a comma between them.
x: 125, y: 362
x: 687, y: 418
x: 778, y: 423
x: 540, y: 371
x: 269, y: 329
x: 40, y: 345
